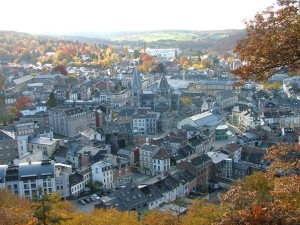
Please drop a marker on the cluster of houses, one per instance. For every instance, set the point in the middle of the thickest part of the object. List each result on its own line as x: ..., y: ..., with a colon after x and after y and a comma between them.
x: 107, y: 125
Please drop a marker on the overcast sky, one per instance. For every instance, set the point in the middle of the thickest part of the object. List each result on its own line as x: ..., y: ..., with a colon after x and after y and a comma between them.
x: 39, y: 16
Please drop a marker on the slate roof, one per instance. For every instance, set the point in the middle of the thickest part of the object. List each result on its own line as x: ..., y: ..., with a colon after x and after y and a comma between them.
x: 240, y: 166
x: 127, y: 112
x: 200, y: 160
x: 160, y: 154
x: 38, y: 169
x: 23, y: 79
x: 147, y: 147
x: 75, y: 178
x: 127, y: 198
x: 183, y: 176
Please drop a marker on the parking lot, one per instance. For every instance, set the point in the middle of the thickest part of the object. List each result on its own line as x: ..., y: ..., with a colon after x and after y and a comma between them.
x: 88, y: 207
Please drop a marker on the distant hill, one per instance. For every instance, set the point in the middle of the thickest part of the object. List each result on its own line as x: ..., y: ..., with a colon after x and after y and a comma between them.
x: 216, y: 40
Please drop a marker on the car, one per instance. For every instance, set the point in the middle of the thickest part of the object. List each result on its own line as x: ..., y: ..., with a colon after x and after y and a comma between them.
x: 87, y: 200
x: 94, y: 196
x: 92, y: 199
x: 81, y: 201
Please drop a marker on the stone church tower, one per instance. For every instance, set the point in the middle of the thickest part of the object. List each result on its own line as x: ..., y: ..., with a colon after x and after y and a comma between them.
x: 162, y: 99
x: 136, y: 89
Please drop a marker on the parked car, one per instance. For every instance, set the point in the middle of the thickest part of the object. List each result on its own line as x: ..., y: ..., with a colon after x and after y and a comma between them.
x: 87, y: 200
x: 81, y: 201
x: 94, y: 196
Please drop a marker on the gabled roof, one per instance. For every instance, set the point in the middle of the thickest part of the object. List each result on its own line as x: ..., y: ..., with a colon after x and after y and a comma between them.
x: 148, y: 147
x: 5, y: 135
x: 160, y: 154
x: 23, y: 79
x: 136, y: 81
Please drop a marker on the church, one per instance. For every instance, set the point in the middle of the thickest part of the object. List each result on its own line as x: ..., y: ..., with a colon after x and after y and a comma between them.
x: 159, y: 95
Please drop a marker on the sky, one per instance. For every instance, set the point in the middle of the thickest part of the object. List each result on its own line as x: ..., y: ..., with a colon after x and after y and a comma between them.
x: 67, y: 16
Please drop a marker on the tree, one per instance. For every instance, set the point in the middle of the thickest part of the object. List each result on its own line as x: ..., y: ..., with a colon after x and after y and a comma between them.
x: 22, y: 102
x: 275, y: 86
x: 14, y: 209
x: 284, y: 159
x: 183, y: 60
x: 186, y: 101
x: 50, y: 209
x: 52, y: 100
x: 272, y: 43
x: 108, y: 216
x: 136, y: 53
x: 156, y: 217
x: 267, y: 198
x: 202, y: 213
x: 60, y: 69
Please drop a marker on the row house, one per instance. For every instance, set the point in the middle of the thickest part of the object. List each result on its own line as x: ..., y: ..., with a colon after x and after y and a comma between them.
x: 282, y: 117
x: 154, y: 160
x: 113, y: 172
x: 126, y: 116
x: 146, y: 123
x: 103, y: 172
x: 77, y: 184
x: 200, y: 167
x: 202, y: 142
x: 150, y: 196
x: 70, y: 122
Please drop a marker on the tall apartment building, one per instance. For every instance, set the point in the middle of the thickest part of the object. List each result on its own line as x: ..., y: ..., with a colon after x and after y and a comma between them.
x: 28, y: 179
x: 71, y: 121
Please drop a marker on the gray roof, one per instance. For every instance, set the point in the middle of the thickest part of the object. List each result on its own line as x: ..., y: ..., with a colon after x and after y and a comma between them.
x: 5, y: 135
x: 136, y: 81
x: 147, y: 147
x: 23, y: 79
x: 124, y: 153
x: 126, y: 112
x: 240, y: 166
x: 127, y: 198
x: 38, y: 169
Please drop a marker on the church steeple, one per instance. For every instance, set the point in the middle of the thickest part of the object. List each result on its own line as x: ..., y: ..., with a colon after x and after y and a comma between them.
x: 136, y: 88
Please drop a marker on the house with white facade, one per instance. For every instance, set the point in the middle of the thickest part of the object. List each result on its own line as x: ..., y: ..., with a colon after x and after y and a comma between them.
x: 161, y: 162
x: 103, y: 172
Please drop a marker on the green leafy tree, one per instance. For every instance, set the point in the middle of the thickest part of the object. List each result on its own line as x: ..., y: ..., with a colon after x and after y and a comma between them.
x: 52, y: 100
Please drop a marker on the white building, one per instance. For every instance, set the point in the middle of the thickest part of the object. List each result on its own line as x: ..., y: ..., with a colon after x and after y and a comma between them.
x: 32, y: 179
x: 161, y: 162
x: 163, y: 53
x: 145, y: 123
x: 103, y: 172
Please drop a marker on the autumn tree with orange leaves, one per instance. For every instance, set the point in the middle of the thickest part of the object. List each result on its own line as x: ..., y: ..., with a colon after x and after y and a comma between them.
x: 272, y: 43
x: 22, y: 102
x: 272, y: 197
